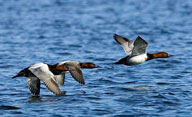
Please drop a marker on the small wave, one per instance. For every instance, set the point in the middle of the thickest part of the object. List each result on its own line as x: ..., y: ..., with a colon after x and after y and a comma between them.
x: 7, y: 107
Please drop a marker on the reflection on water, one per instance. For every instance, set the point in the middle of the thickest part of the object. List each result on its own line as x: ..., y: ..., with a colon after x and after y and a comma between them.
x: 34, y: 99
x: 6, y: 107
x: 142, y: 87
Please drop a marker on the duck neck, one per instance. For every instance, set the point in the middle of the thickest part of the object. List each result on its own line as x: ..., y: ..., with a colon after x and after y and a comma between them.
x: 53, y: 69
x: 149, y: 56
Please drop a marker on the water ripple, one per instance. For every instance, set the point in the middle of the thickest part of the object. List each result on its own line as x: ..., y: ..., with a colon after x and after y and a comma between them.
x: 53, y: 30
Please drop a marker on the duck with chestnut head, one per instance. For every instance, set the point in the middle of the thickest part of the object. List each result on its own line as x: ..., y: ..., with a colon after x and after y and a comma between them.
x: 136, y: 51
x: 50, y: 75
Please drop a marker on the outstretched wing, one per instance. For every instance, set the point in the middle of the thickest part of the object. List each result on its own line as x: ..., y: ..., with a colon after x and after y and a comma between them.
x: 60, y: 78
x: 75, y: 70
x: 125, y: 43
x: 34, y: 85
x: 139, y: 46
x: 42, y: 72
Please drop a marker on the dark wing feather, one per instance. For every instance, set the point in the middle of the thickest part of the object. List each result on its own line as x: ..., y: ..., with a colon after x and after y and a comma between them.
x: 34, y: 85
x: 139, y: 46
x: 77, y: 74
x: 75, y: 70
x: 126, y: 44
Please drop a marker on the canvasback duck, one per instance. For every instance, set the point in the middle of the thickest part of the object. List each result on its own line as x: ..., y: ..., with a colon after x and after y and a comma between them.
x: 75, y: 66
x: 136, y: 51
x: 51, y: 74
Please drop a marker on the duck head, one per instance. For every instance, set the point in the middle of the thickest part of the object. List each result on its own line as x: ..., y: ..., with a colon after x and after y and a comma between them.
x: 159, y: 55
x: 88, y: 65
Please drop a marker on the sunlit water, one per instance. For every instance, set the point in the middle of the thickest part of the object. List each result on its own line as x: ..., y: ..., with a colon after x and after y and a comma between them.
x: 56, y: 30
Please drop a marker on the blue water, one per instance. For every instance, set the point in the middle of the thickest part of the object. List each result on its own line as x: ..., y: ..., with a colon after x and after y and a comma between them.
x: 56, y: 30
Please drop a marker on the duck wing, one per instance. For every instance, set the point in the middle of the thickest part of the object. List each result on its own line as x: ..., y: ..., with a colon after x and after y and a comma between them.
x: 139, y: 46
x: 125, y: 43
x: 75, y: 71
x: 42, y: 72
x: 60, y: 78
x: 34, y: 85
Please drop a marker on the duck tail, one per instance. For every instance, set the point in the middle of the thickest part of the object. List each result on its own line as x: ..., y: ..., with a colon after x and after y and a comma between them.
x: 18, y: 75
x: 122, y: 61
x: 21, y: 73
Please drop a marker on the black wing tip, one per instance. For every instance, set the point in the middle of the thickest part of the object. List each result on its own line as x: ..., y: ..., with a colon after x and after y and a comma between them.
x: 115, y: 35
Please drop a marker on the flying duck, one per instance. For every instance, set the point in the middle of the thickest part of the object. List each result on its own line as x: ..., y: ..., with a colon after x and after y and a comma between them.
x: 51, y: 74
x: 136, y: 51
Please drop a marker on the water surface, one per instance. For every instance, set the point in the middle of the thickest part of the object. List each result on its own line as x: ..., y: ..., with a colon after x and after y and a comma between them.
x: 54, y: 30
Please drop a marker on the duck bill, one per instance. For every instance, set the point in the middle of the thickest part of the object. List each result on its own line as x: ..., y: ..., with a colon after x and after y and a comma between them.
x: 170, y: 55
